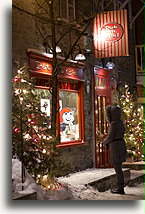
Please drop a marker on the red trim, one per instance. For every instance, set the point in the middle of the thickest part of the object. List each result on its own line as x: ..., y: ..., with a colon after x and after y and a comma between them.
x: 101, y: 154
x: 33, y: 54
x: 67, y: 144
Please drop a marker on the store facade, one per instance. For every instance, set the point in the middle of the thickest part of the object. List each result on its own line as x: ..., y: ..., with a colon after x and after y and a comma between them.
x: 71, y: 119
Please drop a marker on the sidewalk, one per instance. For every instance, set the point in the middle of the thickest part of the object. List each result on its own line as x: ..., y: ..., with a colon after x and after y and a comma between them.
x: 95, y: 184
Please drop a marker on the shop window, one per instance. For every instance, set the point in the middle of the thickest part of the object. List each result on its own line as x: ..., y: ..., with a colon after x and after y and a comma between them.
x: 69, y: 116
x: 70, y: 123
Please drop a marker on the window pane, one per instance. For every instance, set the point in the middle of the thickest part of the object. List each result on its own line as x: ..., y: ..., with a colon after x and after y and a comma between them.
x: 71, y: 13
x: 44, y: 98
x: 100, y: 82
x: 69, y: 127
x: 71, y: 2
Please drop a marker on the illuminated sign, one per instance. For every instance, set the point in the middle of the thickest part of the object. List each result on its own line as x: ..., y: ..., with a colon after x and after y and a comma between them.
x: 44, y: 67
x: 69, y: 71
x: 110, y: 33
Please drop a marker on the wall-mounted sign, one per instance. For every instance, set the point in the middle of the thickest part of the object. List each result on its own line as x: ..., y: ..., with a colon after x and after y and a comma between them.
x: 110, y: 33
x: 69, y: 72
x: 44, y: 67
x: 41, y: 66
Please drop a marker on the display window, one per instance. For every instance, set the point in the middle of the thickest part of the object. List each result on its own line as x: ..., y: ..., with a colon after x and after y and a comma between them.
x: 70, y: 121
x: 69, y: 116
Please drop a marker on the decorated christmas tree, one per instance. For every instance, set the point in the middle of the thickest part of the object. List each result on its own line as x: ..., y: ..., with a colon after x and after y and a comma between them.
x: 32, y: 141
x: 132, y: 115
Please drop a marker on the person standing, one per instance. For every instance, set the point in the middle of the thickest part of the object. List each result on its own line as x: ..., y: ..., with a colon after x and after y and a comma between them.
x: 116, y: 144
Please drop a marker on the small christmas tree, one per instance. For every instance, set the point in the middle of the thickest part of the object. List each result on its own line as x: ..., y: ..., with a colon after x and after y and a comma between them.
x: 32, y: 142
x: 133, y: 118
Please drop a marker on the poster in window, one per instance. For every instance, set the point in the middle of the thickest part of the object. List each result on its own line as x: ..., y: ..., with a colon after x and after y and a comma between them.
x: 45, y: 106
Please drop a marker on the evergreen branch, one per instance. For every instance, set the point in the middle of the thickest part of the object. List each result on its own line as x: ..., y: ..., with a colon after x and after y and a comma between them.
x: 18, y: 117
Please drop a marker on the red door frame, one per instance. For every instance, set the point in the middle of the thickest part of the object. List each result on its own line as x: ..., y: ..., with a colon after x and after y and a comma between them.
x: 101, y: 153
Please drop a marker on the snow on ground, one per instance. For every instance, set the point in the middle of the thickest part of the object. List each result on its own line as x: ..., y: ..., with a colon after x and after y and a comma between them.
x: 73, y: 187
x: 29, y: 185
x: 82, y: 192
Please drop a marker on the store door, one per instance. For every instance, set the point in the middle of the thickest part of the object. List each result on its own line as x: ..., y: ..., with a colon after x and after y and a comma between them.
x: 102, y: 99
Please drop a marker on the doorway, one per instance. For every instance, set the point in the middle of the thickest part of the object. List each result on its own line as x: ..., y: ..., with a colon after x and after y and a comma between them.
x: 102, y: 99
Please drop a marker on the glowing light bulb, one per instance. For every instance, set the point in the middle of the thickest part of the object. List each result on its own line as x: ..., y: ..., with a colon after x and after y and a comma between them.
x: 17, y: 91
x: 44, y: 177
x: 21, y: 99
x: 44, y: 151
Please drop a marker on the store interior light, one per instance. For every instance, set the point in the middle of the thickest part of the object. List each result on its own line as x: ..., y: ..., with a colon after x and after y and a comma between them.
x: 80, y: 56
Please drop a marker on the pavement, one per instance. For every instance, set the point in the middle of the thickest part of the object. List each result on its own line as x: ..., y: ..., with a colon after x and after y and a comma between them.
x: 96, y: 184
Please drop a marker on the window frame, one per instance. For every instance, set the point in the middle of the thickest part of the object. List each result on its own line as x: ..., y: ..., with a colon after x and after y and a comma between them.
x: 80, y: 116
x: 71, y: 6
x: 68, y: 6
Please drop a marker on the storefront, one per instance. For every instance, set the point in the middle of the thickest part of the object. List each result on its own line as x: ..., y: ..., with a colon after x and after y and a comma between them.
x: 71, y: 93
x: 70, y: 120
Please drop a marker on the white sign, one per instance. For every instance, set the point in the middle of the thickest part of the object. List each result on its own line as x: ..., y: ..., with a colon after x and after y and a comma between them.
x: 45, y: 106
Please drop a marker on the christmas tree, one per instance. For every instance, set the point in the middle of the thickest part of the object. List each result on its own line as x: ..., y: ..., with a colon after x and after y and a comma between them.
x: 132, y: 115
x: 32, y: 141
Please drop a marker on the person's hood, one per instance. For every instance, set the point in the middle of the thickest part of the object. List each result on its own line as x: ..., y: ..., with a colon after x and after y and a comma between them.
x: 113, y: 113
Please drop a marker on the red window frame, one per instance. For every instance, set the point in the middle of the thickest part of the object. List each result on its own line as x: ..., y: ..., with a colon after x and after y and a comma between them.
x: 67, y: 85
x: 78, y: 85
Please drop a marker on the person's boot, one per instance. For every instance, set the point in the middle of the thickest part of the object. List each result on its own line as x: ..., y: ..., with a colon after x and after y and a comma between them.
x: 118, y: 191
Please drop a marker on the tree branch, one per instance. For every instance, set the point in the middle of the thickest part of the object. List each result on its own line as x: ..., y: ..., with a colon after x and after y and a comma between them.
x: 75, y: 43
x: 41, y: 6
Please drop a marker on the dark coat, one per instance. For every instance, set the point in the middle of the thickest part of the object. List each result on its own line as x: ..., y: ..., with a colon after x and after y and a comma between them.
x: 115, y: 141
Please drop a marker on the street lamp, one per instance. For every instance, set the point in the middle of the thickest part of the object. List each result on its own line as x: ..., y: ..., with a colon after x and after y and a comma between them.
x: 80, y: 56
x: 58, y: 50
x: 110, y: 65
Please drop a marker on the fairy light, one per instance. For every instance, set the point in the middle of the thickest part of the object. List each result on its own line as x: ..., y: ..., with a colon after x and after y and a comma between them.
x: 21, y: 99
x: 22, y: 80
x: 45, y: 177
x: 17, y: 91
x: 19, y: 71
x: 24, y: 91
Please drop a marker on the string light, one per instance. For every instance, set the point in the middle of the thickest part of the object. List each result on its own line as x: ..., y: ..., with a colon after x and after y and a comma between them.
x: 24, y: 91
x: 21, y: 99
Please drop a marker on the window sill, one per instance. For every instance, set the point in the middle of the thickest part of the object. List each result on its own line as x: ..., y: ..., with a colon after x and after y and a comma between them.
x: 72, y: 144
